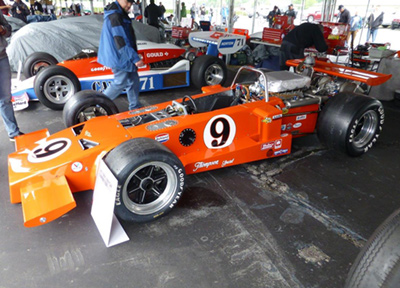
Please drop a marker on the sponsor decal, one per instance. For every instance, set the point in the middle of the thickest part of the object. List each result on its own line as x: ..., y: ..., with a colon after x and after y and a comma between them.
x: 301, y: 117
x: 162, y: 137
x: 102, y: 68
x: 76, y: 166
x: 266, y: 146
x: 283, y: 127
x: 227, y: 43
x: 199, y: 165
x: 282, y: 151
x: 20, y: 102
x: 277, y: 116
x: 289, y: 126
x: 227, y: 162
x: 285, y: 111
x: 278, y: 144
x: 284, y: 135
x: 297, y: 125
x: 154, y: 54
x: 267, y: 120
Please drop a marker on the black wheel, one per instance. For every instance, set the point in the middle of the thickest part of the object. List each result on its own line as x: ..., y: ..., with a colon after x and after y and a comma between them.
x: 378, y: 264
x: 351, y: 123
x: 54, y: 85
x: 208, y: 70
x: 85, y: 105
x: 150, y: 177
x: 36, y: 62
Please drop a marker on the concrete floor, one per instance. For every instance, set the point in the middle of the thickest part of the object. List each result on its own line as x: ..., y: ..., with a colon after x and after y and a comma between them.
x: 295, y: 221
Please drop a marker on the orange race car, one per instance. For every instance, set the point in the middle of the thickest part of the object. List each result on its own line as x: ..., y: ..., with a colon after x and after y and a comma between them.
x: 151, y: 150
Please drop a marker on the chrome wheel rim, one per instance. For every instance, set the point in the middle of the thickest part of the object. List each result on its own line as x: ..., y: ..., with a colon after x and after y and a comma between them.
x: 365, y: 128
x: 214, y: 74
x: 58, y: 89
x: 149, y: 188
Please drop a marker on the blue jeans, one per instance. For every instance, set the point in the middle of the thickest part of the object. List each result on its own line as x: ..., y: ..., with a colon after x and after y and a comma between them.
x: 372, y: 32
x: 6, y: 107
x: 122, y: 80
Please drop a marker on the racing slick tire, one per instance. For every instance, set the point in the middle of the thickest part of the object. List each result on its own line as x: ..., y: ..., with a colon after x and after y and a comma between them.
x: 150, y: 178
x: 54, y: 85
x: 208, y: 70
x: 87, y: 104
x: 350, y: 123
x: 378, y: 263
x: 36, y: 62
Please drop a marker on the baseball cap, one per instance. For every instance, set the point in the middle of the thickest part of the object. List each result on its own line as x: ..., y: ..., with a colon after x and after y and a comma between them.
x: 340, y: 7
x: 131, y: 1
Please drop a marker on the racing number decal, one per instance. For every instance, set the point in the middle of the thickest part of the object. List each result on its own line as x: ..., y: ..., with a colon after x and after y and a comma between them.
x: 146, y: 80
x: 219, y: 132
x: 240, y: 42
x: 46, y: 151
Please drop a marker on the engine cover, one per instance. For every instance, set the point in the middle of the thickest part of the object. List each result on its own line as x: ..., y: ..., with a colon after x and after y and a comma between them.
x: 281, y: 81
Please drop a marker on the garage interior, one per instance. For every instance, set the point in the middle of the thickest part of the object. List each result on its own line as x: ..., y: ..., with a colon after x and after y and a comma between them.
x: 293, y: 221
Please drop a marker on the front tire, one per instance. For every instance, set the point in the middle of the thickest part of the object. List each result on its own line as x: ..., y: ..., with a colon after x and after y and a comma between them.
x: 36, y: 62
x: 378, y: 264
x: 85, y: 105
x: 351, y: 123
x: 54, y: 85
x: 150, y: 177
x: 208, y: 70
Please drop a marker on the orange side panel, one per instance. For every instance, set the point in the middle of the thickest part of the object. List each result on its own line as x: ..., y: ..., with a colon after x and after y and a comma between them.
x: 45, y: 201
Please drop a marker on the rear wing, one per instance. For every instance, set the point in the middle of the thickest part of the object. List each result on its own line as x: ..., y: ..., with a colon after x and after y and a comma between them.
x: 368, y: 77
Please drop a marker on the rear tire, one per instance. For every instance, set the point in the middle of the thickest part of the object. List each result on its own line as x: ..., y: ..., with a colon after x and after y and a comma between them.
x: 150, y: 177
x: 85, y: 105
x: 36, y: 62
x: 54, y: 85
x: 350, y: 123
x: 208, y: 70
x: 378, y: 264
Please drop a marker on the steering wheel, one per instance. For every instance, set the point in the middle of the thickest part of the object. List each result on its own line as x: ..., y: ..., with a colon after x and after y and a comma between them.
x: 192, y: 109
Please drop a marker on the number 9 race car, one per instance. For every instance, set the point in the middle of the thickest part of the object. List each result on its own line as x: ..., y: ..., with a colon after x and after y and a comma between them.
x: 165, y: 68
x: 151, y: 150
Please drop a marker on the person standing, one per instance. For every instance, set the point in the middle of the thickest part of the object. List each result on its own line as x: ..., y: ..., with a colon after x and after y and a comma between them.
x: 118, y: 50
x: 183, y: 10
x: 301, y: 37
x: 6, y: 107
x: 20, y: 10
x: 4, y: 7
x: 272, y: 14
x: 291, y: 12
x: 355, y: 25
x: 344, y: 15
x: 162, y: 9
x: 374, y: 22
x: 152, y: 12
x: 193, y: 11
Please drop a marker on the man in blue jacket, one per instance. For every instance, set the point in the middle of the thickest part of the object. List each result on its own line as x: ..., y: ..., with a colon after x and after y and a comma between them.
x: 118, y: 50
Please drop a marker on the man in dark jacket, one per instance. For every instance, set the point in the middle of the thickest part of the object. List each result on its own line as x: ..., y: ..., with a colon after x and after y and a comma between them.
x: 272, y: 14
x: 291, y: 12
x: 152, y: 12
x: 20, y: 10
x: 6, y: 107
x: 118, y: 50
x: 374, y: 21
x: 301, y: 37
x: 344, y: 16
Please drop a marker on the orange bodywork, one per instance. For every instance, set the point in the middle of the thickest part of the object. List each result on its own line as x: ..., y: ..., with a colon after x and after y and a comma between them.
x: 46, y: 170
x: 368, y: 77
